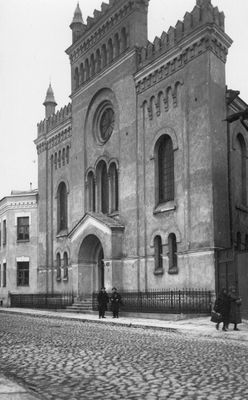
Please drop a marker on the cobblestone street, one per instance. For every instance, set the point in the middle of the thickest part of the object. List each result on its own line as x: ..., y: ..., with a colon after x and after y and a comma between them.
x: 63, y: 359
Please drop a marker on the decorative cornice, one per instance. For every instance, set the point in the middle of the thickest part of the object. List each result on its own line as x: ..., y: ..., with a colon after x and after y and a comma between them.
x: 55, y: 120
x: 17, y: 205
x: 169, y: 64
x: 53, y: 140
x: 88, y: 40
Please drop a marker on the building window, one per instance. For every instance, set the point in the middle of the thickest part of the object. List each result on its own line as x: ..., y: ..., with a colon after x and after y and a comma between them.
x: 104, y: 189
x: 238, y: 241
x: 158, y: 255
x: 246, y: 242
x: 164, y: 170
x: 23, y: 273
x: 172, y: 243
x: 65, y: 266
x: 58, y: 266
x: 4, y: 274
x: 76, y: 77
x: 91, y: 191
x: 241, y: 164
x: 113, y: 174
x: 23, y: 228
x: 4, y: 232
x: 62, y: 207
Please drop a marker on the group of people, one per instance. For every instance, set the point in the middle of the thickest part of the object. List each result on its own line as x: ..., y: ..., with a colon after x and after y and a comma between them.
x: 228, y: 305
x: 103, y: 299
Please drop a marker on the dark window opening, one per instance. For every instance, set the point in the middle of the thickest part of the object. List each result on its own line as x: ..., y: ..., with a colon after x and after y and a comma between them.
x: 22, y: 273
x: 22, y: 228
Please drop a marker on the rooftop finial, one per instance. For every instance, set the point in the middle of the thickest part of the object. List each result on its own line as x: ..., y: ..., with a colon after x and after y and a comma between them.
x: 77, y: 25
x: 50, y: 103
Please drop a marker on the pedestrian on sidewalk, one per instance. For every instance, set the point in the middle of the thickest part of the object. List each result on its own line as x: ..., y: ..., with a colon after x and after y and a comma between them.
x: 235, y: 313
x: 116, y: 301
x: 102, y: 299
x: 222, y: 306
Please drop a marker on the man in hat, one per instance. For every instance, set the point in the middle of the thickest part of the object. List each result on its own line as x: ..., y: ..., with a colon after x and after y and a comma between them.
x: 116, y: 301
x: 102, y: 299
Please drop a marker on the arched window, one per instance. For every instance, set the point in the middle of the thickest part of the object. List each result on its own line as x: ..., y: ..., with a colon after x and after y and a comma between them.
x: 63, y: 156
x: 62, y: 207
x: 87, y: 69
x: 76, y: 77
x: 58, y: 266
x: 172, y: 244
x: 98, y: 61
x: 165, y: 170
x: 56, y: 161
x: 65, y: 265
x: 158, y: 254
x: 116, y: 45
x: 52, y: 162
x: 92, y: 65
x: 67, y: 154
x: 91, y: 192
x: 110, y: 51
x: 239, y: 241
x: 123, y: 39
x: 81, y: 73
x: 59, y: 159
x: 241, y: 172
x: 113, y: 174
x: 102, y: 187
x: 104, y: 55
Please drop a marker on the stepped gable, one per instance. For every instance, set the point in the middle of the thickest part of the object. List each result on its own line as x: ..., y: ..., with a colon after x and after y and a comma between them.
x: 203, y: 13
x: 54, y: 120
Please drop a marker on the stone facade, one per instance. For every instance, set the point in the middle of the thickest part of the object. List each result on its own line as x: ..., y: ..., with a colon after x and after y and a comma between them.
x: 18, y: 244
x: 142, y: 179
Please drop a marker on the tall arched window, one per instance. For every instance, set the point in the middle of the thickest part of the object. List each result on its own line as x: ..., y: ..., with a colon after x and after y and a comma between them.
x: 76, y: 77
x: 62, y: 207
x: 87, y: 69
x: 172, y: 244
x: 116, y: 45
x: 102, y: 187
x: 239, y: 241
x: 165, y: 169
x: 110, y: 51
x: 104, y: 55
x: 241, y: 172
x: 91, y: 191
x: 92, y: 65
x: 114, y: 189
x: 98, y: 61
x: 58, y: 266
x: 67, y: 154
x: 81, y: 73
x: 65, y: 265
x: 158, y: 252
x: 123, y: 39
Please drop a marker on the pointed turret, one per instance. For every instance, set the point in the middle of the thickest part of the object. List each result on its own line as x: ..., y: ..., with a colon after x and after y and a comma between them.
x: 77, y: 25
x: 50, y: 103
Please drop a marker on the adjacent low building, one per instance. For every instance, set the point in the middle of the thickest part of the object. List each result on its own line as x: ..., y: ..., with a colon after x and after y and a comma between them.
x: 18, y: 244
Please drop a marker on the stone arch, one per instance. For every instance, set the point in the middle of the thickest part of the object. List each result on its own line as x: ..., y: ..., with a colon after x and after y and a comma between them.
x: 164, y: 131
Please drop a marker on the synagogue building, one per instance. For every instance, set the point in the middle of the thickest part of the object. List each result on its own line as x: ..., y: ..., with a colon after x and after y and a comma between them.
x: 142, y: 178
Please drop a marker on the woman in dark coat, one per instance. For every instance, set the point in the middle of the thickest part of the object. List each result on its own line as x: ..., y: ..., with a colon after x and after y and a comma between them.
x: 222, y: 306
x: 235, y: 314
x: 102, y: 299
x: 116, y: 301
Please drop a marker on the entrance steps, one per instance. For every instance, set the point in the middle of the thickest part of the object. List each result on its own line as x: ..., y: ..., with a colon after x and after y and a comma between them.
x: 81, y: 305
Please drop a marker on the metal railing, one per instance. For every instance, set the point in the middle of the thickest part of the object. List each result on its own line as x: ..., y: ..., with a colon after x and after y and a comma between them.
x: 187, y: 301
x: 42, y: 300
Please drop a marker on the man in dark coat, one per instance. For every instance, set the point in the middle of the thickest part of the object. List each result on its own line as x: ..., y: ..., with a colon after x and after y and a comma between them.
x: 102, y: 299
x: 222, y: 306
x: 235, y: 314
x: 116, y: 301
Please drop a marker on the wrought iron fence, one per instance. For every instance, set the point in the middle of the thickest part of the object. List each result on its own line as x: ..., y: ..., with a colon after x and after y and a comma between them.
x: 187, y: 301
x: 42, y: 300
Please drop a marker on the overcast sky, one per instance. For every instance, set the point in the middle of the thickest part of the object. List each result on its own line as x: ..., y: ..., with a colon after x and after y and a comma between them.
x: 33, y: 37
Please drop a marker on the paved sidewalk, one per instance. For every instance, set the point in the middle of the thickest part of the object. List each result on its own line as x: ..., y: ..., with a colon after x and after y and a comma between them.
x: 198, y: 326
x: 9, y: 390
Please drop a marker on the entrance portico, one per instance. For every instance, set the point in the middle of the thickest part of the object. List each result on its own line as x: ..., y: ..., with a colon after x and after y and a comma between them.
x: 97, y: 251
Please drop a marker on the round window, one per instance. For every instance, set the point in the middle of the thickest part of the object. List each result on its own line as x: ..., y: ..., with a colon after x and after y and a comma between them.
x: 106, y: 123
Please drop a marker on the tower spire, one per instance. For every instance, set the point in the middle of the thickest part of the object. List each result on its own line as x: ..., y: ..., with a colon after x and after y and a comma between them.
x: 50, y: 103
x: 77, y: 25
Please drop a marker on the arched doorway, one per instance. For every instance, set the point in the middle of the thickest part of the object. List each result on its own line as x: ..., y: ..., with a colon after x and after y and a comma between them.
x: 90, y: 266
